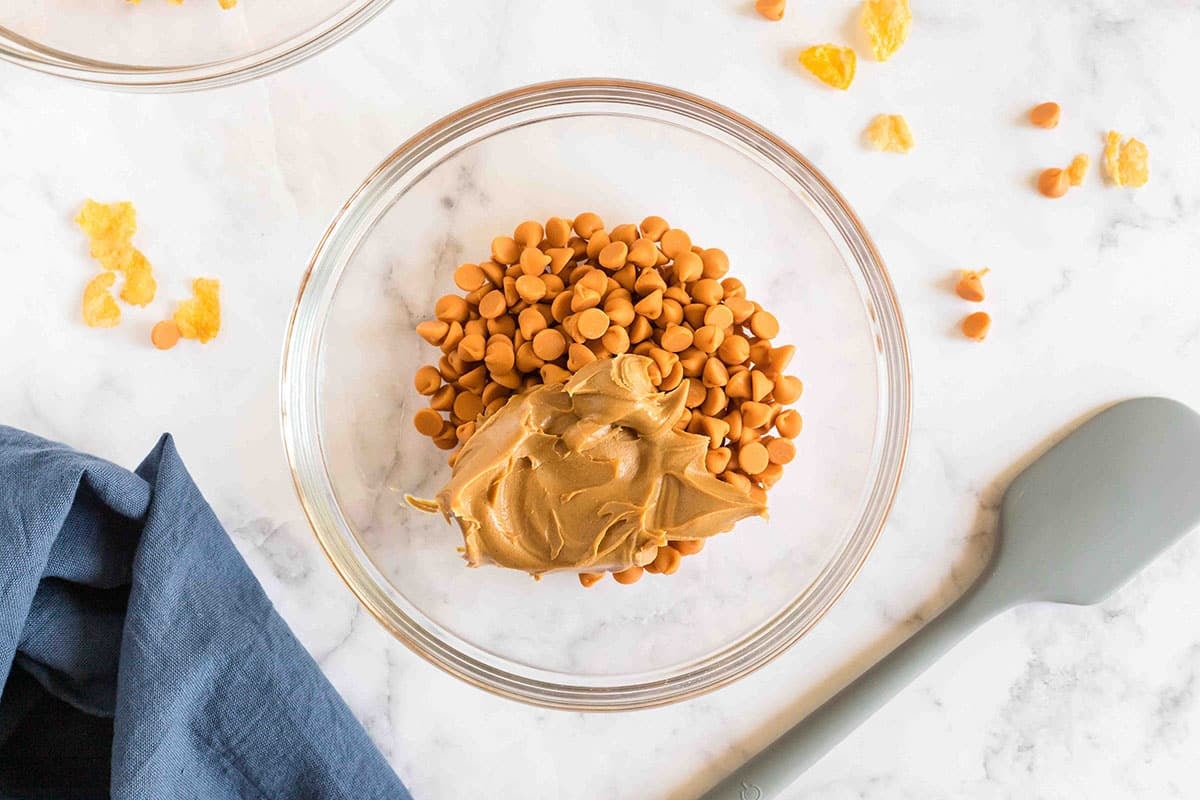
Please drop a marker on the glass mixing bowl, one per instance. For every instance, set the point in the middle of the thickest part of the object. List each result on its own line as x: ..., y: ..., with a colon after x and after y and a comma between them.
x: 624, y: 150
x: 158, y: 46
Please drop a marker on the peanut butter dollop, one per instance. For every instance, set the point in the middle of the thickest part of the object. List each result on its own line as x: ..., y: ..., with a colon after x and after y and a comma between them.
x: 589, y: 475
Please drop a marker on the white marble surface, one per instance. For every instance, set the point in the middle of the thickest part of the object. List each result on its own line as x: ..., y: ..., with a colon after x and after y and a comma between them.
x: 1093, y: 299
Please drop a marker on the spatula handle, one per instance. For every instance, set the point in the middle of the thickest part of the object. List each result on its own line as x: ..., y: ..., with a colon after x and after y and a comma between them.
x: 770, y: 772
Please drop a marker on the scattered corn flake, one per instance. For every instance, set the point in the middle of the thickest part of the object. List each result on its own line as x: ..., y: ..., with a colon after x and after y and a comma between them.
x: 140, y: 286
x: 1126, y: 163
x: 100, y: 310
x: 887, y: 23
x: 1078, y: 169
x: 200, y: 317
x: 831, y: 64
x: 226, y: 4
x: 110, y: 228
x: 890, y: 133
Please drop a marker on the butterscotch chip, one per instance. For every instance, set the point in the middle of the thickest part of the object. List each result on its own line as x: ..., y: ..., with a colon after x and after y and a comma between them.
x: 593, y: 323
x: 451, y: 308
x: 781, y: 451
x: 472, y: 347
x: 587, y: 224
x: 753, y: 458
x: 468, y: 405
x: 552, y: 373
x: 740, y: 386
x: 760, y: 386
x: 640, y: 330
x: 715, y: 373
x: 505, y: 250
x: 764, y: 325
x: 689, y: 267
x: 715, y: 403
x: 469, y: 277
x: 427, y: 380
x: 675, y: 242
x: 528, y: 234
x: 530, y: 288
x: 771, y: 9
x: 428, y: 422
x: 1045, y: 115
x: 558, y: 232
x: 976, y: 326
x: 788, y: 389
x: 754, y: 415
x: 493, y: 304
x: 550, y: 344
x: 616, y: 340
x: 708, y: 291
x: 734, y: 350
x: 654, y: 227
x: 676, y: 338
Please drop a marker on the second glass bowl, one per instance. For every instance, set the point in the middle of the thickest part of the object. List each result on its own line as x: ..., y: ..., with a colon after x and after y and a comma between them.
x: 624, y: 150
x: 158, y: 46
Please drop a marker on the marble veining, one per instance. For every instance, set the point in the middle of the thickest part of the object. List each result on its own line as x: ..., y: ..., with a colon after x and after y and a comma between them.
x: 1092, y: 295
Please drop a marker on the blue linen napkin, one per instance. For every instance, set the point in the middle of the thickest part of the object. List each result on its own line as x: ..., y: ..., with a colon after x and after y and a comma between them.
x: 140, y: 658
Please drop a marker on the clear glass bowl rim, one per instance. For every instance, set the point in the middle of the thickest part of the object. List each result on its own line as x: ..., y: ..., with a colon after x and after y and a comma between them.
x: 25, y: 52
x: 300, y: 423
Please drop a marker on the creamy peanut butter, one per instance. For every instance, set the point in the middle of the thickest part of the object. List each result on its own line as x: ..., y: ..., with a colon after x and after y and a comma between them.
x: 587, y: 476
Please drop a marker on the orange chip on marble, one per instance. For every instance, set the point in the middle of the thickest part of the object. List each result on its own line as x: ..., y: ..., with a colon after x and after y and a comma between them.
x: 830, y: 64
x: 200, y: 317
x: 887, y: 23
x: 100, y: 310
x: 890, y: 133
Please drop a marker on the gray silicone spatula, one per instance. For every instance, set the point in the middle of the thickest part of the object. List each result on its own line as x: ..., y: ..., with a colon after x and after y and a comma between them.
x: 1074, y: 526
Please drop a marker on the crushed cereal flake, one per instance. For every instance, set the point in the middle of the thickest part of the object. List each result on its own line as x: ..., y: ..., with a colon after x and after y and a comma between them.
x: 100, y: 310
x: 1078, y: 169
x: 110, y: 228
x: 887, y: 23
x: 1126, y: 163
x: 831, y: 64
x: 200, y: 317
x: 890, y: 133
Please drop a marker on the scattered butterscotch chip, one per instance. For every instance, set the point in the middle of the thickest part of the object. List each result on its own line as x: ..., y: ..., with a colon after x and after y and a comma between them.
x: 976, y: 326
x: 1078, y: 169
x: 771, y: 9
x: 100, y: 310
x: 1053, y: 182
x: 1045, y: 115
x: 1126, y: 163
x: 200, y: 316
x: 889, y: 133
x: 830, y: 64
x: 970, y: 285
x: 887, y: 23
x: 165, y: 334
x: 589, y: 579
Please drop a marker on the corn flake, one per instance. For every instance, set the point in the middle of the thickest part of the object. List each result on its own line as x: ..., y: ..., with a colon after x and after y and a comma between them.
x: 200, y: 317
x: 887, y: 23
x: 110, y: 228
x: 890, y: 133
x: 100, y: 310
x: 1126, y: 163
x: 831, y: 64
x: 140, y: 286
x: 1078, y: 169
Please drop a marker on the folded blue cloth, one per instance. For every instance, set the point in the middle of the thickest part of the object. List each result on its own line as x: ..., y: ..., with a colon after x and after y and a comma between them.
x: 139, y: 657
